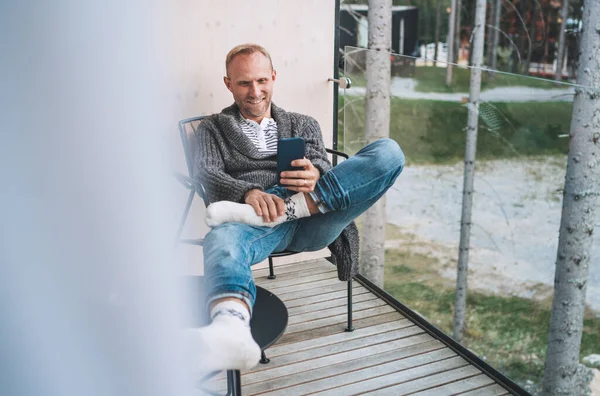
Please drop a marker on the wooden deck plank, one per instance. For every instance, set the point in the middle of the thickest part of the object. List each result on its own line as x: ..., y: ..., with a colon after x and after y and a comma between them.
x: 292, y: 267
x: 291, y: 276
x: 397, y: 377
x: 339, y: 337
x: 332, y: 349
x: 359, y: 324
x: 333, y: 295
x: 331, y: 303
x: 328, y: 312
x: 369, y: 368
x: 428, y: 382
x: 328, y: 360
x: 405, y: 347
x: 306, y: 286
x: 491, y: 390
x: 339, y: 319
x: 279, y: 283
x: 453, y: 388
x: 312, y: 291
x: 334, y: 308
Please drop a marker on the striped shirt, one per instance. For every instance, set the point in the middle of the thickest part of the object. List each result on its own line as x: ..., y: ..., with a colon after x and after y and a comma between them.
x: 264, y: 135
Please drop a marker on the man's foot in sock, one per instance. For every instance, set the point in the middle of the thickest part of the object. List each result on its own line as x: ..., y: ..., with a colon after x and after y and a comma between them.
x: 232, y: 212
x: 225, y: 344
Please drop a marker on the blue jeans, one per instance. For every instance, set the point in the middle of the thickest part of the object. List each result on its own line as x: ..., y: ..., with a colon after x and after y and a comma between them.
x: 347, y: 190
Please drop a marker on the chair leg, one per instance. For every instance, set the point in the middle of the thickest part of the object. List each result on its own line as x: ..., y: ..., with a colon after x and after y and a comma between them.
x: 271, y: 274
x: 234, y: 383
x: 263, y: 358
x: 350, y: 327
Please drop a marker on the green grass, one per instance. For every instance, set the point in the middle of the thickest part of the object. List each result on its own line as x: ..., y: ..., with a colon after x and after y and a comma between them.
x: 510, y: 333
x: 433, y: 79
x: 434, y: 131
x: 358, y: 80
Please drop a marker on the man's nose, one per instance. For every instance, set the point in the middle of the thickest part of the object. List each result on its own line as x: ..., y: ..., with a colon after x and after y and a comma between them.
x: 255, y: 89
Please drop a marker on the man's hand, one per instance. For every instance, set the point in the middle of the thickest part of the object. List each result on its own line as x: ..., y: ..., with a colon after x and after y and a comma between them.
x: 268, y: 206
x: 303, y: 180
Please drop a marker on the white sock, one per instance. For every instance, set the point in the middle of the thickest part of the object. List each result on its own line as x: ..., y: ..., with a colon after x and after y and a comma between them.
x: 227, y: 343
x: 231, y: 212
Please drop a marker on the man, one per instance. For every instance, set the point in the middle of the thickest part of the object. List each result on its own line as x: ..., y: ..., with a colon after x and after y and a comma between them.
x: 252, y: 216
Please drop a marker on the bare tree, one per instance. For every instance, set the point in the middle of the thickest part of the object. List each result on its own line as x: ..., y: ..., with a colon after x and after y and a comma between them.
x: 450, y: 41
x: 563, y: 375
x: 457, y: 31
x: 437, y: 31
x: 425, y: 25
x: 532, y: 29
x: 377, y: 126
x: 460, y: 301
x: 497, y: 12
x: 561, y: 41
x: 491, y: 32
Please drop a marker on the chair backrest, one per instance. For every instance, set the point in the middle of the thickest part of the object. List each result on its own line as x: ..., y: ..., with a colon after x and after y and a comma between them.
x: 187, y: 132
x: 187, y: 129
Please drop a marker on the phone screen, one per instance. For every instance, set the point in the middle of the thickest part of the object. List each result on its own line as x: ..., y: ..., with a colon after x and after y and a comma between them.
x: 288, y: 149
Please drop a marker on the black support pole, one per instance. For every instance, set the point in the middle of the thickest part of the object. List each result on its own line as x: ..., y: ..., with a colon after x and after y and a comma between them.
x: 336, y: 75
x: 234, y: 383
x: 263, y: 357
x: 271, y: 273
x: 350, y: 327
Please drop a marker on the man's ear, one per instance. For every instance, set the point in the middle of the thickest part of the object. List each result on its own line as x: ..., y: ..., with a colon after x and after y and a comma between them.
x: 274, y: 74
x: 227, y: 82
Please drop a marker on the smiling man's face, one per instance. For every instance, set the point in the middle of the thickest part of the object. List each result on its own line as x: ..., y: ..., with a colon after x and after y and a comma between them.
x: 250, y: 79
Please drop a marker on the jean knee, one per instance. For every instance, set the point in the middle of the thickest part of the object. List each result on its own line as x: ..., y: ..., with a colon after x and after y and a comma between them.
x: 221, y: 246
x: 390, y: 157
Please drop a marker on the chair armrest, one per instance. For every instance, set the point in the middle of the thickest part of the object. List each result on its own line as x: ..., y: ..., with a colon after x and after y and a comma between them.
x: 186, y: 181
x: 192, y: 184
x: 338, y: 153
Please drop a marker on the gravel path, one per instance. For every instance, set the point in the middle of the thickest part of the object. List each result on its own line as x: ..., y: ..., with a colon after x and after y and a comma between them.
x: 516, y: 218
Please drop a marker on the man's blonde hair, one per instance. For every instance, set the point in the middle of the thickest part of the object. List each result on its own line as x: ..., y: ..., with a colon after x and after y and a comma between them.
x: 245, y: 49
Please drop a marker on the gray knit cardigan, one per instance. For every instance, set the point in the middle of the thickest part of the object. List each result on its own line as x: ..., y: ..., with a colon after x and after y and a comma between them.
x: 228, y: 165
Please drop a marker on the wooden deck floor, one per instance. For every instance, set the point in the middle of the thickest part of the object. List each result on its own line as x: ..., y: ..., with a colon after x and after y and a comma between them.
x: 387, y: 354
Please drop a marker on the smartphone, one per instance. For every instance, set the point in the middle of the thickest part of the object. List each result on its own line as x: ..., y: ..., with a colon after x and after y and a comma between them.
x: 288, y: 149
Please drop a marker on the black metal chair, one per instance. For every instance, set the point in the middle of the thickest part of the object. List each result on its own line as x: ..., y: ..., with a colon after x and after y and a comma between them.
x: 187, y: 129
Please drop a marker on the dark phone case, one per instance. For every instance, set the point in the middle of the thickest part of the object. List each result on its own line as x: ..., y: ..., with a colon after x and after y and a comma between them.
x: 288, y: 149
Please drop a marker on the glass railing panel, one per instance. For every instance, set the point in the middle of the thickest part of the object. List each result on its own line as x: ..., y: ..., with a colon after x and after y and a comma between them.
x: 522, y: 147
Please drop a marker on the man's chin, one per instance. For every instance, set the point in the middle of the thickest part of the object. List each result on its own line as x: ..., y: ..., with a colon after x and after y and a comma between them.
x: 253, y: 112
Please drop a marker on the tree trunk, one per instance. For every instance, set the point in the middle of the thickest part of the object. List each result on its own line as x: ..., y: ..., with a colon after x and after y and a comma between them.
x: 437, y: 31
x: 426, y: 20
x: 522, y: 37
x: 563, y: 374
x: 450, y: 41
x: 497, y: 13
x: 377, y: 126
x: 471, y: 147
x: 457, y: 32
x: 490, y: 35
x: 473, y: 5
x: 561, y: 40
x: 532, y: 30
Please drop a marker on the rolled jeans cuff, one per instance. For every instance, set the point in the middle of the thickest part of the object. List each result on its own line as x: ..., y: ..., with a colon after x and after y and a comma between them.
x: 329, y: 194
x: 240, y: 295
x: 319, y: 202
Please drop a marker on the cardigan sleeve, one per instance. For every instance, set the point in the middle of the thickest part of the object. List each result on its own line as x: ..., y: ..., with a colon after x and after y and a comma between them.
x: 314, y: 146
x: 209, y: 169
